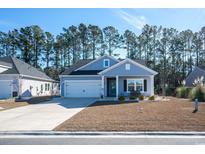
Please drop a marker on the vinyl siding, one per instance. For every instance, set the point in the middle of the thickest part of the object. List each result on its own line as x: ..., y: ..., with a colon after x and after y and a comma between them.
x: 121, y: 71
x: 98, y: 65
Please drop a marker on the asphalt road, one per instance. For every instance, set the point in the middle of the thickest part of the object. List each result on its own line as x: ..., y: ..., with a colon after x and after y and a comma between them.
x: 102, y: 140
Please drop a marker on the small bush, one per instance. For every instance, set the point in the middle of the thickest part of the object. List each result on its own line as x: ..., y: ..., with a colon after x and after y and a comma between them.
x: 152, y: 98
x: 181, y: 92
x: 132, y: 97
x: 141, y: 97
x: 135, y: 93
x: 198, y: 92
x: 121, y: 98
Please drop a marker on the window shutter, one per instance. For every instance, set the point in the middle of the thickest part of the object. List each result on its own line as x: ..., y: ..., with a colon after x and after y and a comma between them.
x: 145, y: 85
x: 125, y: 85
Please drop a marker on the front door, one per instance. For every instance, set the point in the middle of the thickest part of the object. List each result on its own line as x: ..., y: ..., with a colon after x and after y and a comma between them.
x: 111, y: 87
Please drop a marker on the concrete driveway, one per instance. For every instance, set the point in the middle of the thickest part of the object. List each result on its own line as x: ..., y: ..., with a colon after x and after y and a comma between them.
x: 43, y: 116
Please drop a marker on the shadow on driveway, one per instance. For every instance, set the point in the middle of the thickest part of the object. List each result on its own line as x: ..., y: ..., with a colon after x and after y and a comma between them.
x: 72, y: 102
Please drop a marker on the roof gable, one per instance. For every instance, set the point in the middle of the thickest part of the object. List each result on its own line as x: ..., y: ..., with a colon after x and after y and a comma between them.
x: 97, y: 64
x: 198, y: 72
x: 136, y: 69
x: 22, y: 68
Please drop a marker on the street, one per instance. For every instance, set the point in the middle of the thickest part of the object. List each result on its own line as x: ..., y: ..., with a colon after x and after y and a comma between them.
x: 100, y: 140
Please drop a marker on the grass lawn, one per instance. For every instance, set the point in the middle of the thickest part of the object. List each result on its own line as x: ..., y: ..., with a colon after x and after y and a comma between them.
x: 9, y: 104
x: 173, y: 115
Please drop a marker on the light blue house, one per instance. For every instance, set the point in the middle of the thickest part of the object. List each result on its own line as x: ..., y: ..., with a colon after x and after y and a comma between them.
x: 107, y: 77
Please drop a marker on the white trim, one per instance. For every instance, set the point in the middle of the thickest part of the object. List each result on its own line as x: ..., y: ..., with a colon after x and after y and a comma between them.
x: 117, y: 86
x: 104, y: 60
x: 131, y: 61
x: 127, y: 66
x: 5, y: 66
x: 95, y: 61
x: 135, y: 84
x: 37, y: 78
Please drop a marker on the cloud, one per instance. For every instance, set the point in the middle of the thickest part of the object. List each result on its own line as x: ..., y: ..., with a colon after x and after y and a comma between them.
x: 137, y: 21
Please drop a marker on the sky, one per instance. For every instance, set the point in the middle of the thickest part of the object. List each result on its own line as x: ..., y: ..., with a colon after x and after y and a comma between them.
x: 53, y: 20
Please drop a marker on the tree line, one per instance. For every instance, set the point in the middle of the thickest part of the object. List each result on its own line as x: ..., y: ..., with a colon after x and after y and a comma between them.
x: 172, y: 53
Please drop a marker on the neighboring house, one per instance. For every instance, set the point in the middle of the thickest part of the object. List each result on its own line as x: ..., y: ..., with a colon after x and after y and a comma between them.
x: 197, y: 73
x: 107, y: 77
x: 19, y: 79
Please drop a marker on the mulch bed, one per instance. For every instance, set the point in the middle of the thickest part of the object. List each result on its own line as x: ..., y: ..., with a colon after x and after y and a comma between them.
x: 173, y: 115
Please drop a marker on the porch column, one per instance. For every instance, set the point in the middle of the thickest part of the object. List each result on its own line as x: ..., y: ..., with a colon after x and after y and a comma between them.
x: 117, y: 86
x: 102, y: 86
x: 152, y: 85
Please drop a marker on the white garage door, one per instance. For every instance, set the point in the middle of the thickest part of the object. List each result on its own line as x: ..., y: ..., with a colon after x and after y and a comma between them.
x: 82, y: 88
x: 5, y: 89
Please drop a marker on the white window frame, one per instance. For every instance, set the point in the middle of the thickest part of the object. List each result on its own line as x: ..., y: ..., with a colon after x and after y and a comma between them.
x: 127, y: 66
x: 108, y: 60
x: 135, y: 84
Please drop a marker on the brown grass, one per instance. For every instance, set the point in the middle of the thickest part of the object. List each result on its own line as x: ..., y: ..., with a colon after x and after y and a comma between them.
x: 9, y: 104
x: 175, y: 115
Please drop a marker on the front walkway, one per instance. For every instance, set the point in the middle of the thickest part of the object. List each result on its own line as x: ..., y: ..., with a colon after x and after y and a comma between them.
x: 43, y: 116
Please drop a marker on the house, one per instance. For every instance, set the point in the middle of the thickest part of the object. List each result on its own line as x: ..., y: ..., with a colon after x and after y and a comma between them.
x: 107, y: 77
x: 197, y: 73
x: 19, y: 79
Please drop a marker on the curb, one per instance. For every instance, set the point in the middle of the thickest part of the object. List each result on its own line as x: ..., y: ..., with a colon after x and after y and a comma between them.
x: 97, y: 133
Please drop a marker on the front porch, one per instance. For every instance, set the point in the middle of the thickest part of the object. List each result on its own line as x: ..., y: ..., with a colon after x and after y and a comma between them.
x: 115, y: 86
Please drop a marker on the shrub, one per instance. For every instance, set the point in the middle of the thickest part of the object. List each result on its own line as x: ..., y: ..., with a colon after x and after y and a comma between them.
x: 181, y: 92
x: 152, y: 98
x: 132, y: 97
x: 135, y: 93
x: 141, y: 97
x: 198, y: 92
x: 121, y: 98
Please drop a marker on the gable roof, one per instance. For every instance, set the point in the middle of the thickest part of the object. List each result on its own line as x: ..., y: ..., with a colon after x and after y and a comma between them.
x: 196, y: 73
x: 5, y: 64
x: 75, y: 66
x: 22, y: 68
x: 201, y: 67
x: 131, y: 61
x: 99, y: 58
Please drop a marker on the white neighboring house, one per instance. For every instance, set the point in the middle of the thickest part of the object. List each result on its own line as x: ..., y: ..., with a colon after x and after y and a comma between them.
x: 19, y: 79
x: 107, y: 77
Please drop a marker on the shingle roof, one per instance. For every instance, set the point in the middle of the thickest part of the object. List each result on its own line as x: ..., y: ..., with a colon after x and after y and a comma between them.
x: 202, y: 67
x: 70, y: 70
x: 85, y: 72
x: 5, y: 64
x: 75, y: 66
x: 198, y: 72
x: 20, y: 67
x: 140, y: 61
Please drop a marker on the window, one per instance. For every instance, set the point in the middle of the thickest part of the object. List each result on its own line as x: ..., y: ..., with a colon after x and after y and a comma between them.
x: 135, y: 85
x: 45, y: 86
x: 48, y: 87
x: 127, y: 66
x: 41, y: 87
x: 106, y: 63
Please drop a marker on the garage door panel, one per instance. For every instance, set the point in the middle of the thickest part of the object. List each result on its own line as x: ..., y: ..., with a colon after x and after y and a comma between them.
x: 5, y: 89
x: 86, y: 88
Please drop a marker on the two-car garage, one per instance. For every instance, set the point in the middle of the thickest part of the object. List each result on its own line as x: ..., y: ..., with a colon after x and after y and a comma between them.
x: 82, y: 88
